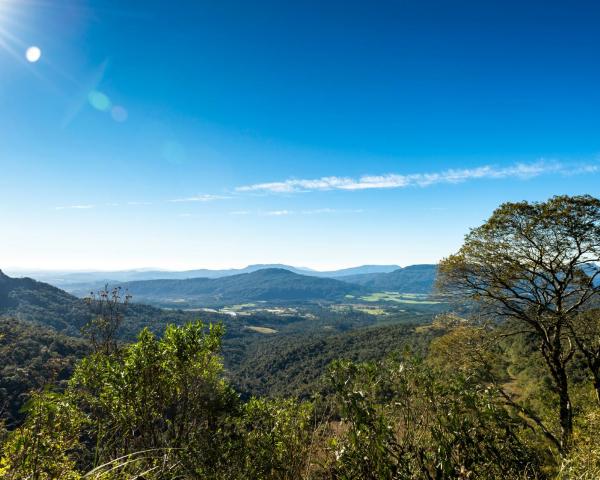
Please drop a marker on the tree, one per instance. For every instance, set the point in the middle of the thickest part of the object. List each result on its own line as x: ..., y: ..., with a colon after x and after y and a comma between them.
x: 108, y: 307
x: 586, y: 335
x: 535, y: 265
x: 161, y: 395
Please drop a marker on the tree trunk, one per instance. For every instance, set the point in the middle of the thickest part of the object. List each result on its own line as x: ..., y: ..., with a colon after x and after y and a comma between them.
x: 597, y: 386
x: 565, y: 411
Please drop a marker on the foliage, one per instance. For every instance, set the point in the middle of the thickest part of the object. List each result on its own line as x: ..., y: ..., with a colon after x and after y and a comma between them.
x: 278, y: 438
x: 159, y: 394
x: 160, y: 408
x: 43, y: 447
x: 583, y: 462
x: 403, y: 421
x: 30, y: 358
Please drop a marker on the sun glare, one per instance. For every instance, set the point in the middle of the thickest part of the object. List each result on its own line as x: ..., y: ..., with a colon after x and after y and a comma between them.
x: 5, y: 5
x: 9, y: 41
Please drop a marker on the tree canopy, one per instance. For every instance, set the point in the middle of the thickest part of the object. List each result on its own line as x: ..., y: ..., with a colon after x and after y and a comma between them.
x: 535, y: 265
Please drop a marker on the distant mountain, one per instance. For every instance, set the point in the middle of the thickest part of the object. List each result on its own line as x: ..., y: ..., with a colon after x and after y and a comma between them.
x: 78, y: 281
x: 412, y: 279
x: 361, y: 270
x: 269, y: 284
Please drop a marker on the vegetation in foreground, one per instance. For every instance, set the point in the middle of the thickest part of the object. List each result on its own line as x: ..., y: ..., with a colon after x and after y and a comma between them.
x: 510, y: 392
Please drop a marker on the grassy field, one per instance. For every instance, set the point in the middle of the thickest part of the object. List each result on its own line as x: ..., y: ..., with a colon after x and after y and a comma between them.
x: 408, y: 298
x: 370, y: 310
x: 264, y: 330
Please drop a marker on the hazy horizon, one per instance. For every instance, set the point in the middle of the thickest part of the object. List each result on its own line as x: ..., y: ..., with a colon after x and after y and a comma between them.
x: 13, y: 269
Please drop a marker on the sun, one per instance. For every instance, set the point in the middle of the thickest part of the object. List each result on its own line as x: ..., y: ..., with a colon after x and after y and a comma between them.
x: 33, y: 54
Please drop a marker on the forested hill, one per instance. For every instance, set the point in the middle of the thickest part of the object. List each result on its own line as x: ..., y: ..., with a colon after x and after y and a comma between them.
x: 411, y: 279
x: 270, y: 284
x: 31, y: 301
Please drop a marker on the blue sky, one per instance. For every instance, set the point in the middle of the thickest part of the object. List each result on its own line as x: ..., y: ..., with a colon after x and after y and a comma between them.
x: 323, y: 134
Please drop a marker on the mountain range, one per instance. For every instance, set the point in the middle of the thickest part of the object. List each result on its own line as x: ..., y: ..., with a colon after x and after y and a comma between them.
x: 256, y: 284
x: 269, y: 284
x: 66, y: 279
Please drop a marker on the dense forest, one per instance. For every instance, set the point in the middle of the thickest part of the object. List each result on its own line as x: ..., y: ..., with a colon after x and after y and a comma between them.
x: 508, y: 386
x: 294, y: 365
x: 31, y: 357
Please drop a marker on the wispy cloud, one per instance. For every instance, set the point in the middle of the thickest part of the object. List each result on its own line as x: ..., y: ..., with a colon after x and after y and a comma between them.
x: 317, y: 211
x: 582, y: 170
x: 240, y: 212
x: 393, y: 180
x: 75, y: 207
x: 278, y: 213
x: 200, y: 198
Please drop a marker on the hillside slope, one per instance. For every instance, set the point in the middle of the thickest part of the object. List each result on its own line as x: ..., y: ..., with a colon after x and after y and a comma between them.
x: 412, y: 279
x: 31, y: 301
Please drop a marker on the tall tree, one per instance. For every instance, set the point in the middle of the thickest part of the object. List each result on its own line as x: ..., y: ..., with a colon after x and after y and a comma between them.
x: 536, y: 265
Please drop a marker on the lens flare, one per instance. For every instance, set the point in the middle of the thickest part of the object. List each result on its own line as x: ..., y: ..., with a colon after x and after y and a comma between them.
x: 99, y: 101
x: 118, y: 113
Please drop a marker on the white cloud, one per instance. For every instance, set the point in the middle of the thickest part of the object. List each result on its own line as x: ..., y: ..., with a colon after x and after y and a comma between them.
x: 200, y: 198
x: 392, y: 180
x: 317, y: 211
x: 278, y: 213
x: 75, y: 207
